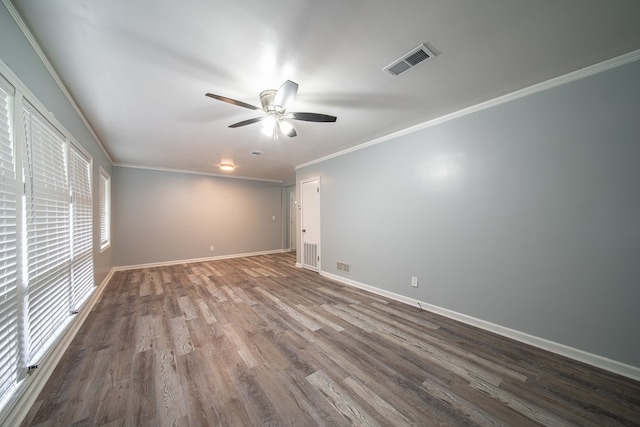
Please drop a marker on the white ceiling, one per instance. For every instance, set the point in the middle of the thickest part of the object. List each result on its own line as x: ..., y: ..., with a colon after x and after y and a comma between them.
x: 139, y: 69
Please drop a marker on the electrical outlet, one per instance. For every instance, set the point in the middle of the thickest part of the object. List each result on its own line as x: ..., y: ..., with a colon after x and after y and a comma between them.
x: 414, y: 282
x: 211, y: 248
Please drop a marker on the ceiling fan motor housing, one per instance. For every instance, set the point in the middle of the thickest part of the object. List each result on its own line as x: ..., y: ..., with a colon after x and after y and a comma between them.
x: 267, y: 98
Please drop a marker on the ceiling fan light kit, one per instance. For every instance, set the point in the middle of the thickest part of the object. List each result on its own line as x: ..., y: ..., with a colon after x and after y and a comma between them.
x: 274, y: 105
x: 268, y: 124
x: 286, y: 128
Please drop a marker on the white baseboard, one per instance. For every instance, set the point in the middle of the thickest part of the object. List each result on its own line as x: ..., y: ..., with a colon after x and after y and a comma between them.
x: 192, y: 260
x: 28, y: 390
x: 602, y: 362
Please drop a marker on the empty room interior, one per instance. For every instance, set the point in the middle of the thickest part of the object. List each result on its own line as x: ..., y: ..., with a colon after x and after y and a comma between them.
x: 319, y: 213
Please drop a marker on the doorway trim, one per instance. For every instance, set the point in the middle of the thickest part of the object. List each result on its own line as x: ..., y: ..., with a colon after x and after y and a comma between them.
x: 292, y: 218
x: 312, y: 250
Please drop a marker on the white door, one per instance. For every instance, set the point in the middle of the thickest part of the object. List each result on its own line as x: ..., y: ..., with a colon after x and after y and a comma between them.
x: 310, y: 226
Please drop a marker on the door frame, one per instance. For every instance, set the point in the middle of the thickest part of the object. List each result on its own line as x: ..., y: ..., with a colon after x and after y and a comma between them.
x: 301, y: 222
x: 292, y: 226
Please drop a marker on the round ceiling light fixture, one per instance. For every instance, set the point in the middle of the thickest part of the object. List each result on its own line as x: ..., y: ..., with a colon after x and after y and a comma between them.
x: 227, y: 167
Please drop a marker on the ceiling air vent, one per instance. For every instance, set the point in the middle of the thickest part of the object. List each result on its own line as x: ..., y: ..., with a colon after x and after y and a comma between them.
x: 256, y: 152
x: 409, y: 60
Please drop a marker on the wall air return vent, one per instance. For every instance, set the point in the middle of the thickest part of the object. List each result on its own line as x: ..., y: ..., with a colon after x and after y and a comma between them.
x: 411, y: 59
x: 343, y: 266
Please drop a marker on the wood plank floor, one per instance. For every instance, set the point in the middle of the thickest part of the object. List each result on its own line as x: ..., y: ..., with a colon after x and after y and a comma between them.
x: 256, y: 341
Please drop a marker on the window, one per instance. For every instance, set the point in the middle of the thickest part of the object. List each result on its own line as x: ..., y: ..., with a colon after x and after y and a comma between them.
x: 81, y: 227
x: 46, y: 233
x: 105, y: 210
x: 8, y: 248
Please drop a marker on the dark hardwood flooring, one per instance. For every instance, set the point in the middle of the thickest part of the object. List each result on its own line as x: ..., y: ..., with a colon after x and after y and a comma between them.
x: 256, y: 341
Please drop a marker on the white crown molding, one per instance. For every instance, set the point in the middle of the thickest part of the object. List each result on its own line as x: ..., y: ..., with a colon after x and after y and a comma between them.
x: 576, y: 75
x: 28, y: 390
x: 22, y: 90
x: 598, y: 361
x: 9, y: 77
x: 36, y: 47
x: 192, y: 260
x: 191, y: 172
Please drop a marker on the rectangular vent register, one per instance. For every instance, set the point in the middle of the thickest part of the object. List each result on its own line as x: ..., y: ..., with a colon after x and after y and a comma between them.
x: 410, y: 60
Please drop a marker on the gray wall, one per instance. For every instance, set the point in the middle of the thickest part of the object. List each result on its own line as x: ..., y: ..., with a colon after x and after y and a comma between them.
x: 526, y: 214
x: 168, y: 216
x: 17, y: 53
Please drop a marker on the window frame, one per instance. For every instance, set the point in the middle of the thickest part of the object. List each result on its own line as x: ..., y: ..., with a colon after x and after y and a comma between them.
x: 10, y: 274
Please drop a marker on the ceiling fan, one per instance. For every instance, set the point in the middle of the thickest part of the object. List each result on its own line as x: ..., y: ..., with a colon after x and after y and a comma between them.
x: 274, y: 105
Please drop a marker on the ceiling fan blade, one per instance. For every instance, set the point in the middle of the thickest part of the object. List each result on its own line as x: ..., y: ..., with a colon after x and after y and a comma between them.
x: 286, y: 94
x: 247, y: 122
x: 312, y: 117
x: 233, y: 101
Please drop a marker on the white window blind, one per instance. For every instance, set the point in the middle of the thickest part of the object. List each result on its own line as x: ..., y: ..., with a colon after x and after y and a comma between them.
x: 46, y: 234
x: 81, y: 227
x: 47, y: 231
x: 8, y: 248
x: 105, y: 209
